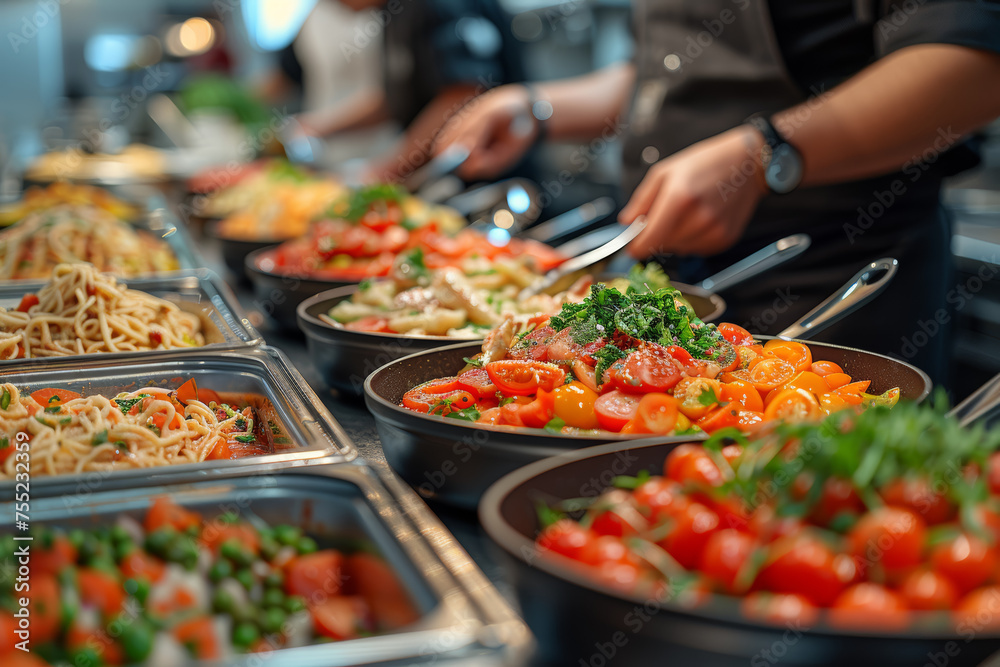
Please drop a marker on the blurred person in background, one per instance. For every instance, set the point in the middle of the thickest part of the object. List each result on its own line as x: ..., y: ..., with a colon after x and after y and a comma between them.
x: 749, y: 121
x: 436, y: 56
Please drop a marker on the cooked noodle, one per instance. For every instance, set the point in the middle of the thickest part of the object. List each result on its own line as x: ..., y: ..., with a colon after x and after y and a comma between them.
x: 94, y: 434
x: 81, y: 311
x: 31, y: 248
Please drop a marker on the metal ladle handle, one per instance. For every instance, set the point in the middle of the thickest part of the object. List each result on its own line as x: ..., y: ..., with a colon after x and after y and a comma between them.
x: 979, y: 404
x: 779, y: 252
x: 868, y: 283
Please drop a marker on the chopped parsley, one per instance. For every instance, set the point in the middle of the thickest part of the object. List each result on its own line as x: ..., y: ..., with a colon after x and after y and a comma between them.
x: 504, y: 400
x: 555, y: 425
x: 354, y: 206
x: 154, y: 428
x: 466, y: 414
x: 474, y: 362
x: 365, y: 285
x: 126, y: 404
x: 412, y: 265
x: 4, y: 442
x: 708, y: 398
x: 5, y: 400
x: 53, y: 410
x: 248, y: 437
x: 99, y: 438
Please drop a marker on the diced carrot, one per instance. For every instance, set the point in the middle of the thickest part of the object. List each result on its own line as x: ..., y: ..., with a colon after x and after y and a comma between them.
x: 370, y: 577
x: 101, y: 589
x: 199, y: 634
x: 140, y: 565
x: 54, y: 559
x: 164, y: 512
x: 216, y: 533
x: 44, y: 605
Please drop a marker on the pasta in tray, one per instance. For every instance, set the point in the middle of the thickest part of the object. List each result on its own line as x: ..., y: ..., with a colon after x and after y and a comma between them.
x: 81, y: 311
x: 148, y: 427
x: 34, y: 246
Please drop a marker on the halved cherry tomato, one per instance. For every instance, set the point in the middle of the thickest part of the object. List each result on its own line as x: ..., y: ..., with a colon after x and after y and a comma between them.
x: 647, y: 369
x: 750, y: 418
x: 50, y: 398
x: 719, y: 418
x: 837, y: 380
x: 810, y: 382
x: 795, y: 353
x: 533, y: 414
x: 656, y: 413
x: 27, y: 301
x: 489, y: 416
x: 824, y: 368
x: 477, y: 382
x: 615, y: 409
x: 830, y: 403
x: 423, y: 396
x: 742, y: 392
x: 852, y: 392
x: 524, y: 377
x: 771, y: 372
x: 794, y: 405
x: 574, y: 404
x: 697, y: 396
x: 736, y: 334
x: 457, y: 400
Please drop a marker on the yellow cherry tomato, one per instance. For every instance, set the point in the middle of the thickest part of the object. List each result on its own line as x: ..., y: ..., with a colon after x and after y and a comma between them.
x: 574, y: 404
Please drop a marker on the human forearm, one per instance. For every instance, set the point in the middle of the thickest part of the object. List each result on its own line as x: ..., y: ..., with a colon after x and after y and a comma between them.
x: 918, y: 99
x: 584, y: 105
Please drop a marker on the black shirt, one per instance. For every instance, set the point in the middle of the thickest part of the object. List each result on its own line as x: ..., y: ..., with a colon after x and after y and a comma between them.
x: 432, y: 44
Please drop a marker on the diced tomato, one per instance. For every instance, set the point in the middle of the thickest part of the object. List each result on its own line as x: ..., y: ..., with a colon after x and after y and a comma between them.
x: 53, y: 560
x: 49, y: 398
x: 340, y: 617
x: 187, y: 392
x: 615, y: 409
x: 198, y: 634
x: 647, y: 369
x: 477, y: 382
x: 101, y: 589
x: 736, y: 334
x: 97, y: 640
x: 164, y: 512
x: 770, y: 372
x: 372, y: 579
x: 140, y: 565
x: 315, y: 575
x: 656, y: 413
x: 370, y: 324
x: 27, y: 301
x: 524, y: 377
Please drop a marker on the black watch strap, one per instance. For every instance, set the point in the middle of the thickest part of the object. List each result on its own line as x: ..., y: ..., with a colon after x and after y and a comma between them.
x: 764, y: 125
x: 781, y: 161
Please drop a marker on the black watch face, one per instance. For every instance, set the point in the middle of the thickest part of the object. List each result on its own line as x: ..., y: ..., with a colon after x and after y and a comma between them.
x: 784, y: 171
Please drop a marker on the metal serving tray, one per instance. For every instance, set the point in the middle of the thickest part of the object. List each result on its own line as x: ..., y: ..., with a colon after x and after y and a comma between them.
x: 461, y: 622
x: 310, y: 428
x: 201, y: 292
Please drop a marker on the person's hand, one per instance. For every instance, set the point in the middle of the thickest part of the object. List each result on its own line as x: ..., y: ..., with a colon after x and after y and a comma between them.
x: 497, y: 128
x: 699, y: 200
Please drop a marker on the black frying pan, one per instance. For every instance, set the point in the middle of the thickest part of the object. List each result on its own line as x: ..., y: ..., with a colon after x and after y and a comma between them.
x: 455, y: 461
x: 573, y: 616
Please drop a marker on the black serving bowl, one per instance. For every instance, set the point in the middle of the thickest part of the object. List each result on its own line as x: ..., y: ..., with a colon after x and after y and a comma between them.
x: 455, y: 461
x: 579, y: 621
x: 235, y: 250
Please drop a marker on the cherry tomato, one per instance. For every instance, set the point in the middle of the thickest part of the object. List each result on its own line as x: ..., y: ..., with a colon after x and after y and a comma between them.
x: 825, y: 368
x: 660, y: 497
x: 793, y: 405
x: 723, y: 417
x: 27, y: 302
x: 724, y: 555
x: 803, y: 564
x: 647, y: 369
x: 891, y: 537
x: 656, y: 413
x: 780, y: 608
x: 623, y: 577
x: 744, y: 393
x: 869, y: 606
x: 524, y: 377
x: 838, y: 497
x: 477, y: 382
x: 697, y: 396
x: 768, y: 526
x: 615, y: 409
x: 565, y: 537
x: 690, y: 463
x: 966, y: 560
x: 979, y: 610
x: 692, y: 527
x: 606, y: 549
x: 830, y: 403
x: 574, y: 404
x: 770, y: 372
x: 927, y: 590
x: 446, y: 404
x: 916, y: 495
x: 736, y: 334
x: 423, y: 396
x: 795, y: 353
x: 809, y: 381
x: 534, y: 346
x: 533, y: 414
x: 837, y: 380
x: 993, y: 473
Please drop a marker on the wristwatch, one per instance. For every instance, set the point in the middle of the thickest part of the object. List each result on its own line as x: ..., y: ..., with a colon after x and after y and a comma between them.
x: 782, y: 161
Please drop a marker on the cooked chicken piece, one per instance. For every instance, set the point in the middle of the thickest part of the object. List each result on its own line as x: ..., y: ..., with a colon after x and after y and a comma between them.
x: 347, y: 311
x: 415, y: 298
x: 516, y: 271
x: 376, y: 293
x: 453, y: 291
x: 431, y: 321
x: 498, y: 340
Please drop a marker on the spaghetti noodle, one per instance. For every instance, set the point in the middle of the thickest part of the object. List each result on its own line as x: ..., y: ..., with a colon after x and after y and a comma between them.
x: 34, y: 246
x: 81, y: 311
x: 149, y: 427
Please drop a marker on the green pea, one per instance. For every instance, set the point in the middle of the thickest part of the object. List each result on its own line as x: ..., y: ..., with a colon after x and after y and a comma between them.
x: 123, y: 549
x: 272, y: 619
x: 294, y: 603
x: 274, y: 579
x: 92, y: 548
x: 273, y: 598
x: 160, y: 539
x: 244, y: 613
x: 245, y: 577
x: 220, y: 569
x: 85, y: 656
x: 245, y: 634
x: 265, y: 533
x: 222, y: 601
x: 269, y: 548
x: 137, y: 640
x: 193, y: 530
x: 306, y: 545
x: 183, y: 550
x: 138, y: 588
x: 76, y: 537
x: 235, y: 552
x: 105, y: 564
x: 119, y: 535
x: 287, y: 535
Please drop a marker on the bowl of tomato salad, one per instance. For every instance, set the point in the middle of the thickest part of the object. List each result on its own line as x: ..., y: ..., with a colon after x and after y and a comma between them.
x: 864, y: 539
x: 615, y: 366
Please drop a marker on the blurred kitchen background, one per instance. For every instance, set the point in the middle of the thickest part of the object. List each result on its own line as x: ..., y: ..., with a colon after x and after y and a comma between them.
x: 204, y: 79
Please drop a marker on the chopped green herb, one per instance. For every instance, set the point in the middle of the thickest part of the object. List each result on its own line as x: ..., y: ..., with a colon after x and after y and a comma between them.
x: 555, y: 425
x: 245, y: 438
x: 627, y: 482
x: 154, y: 428
x: 707, y: 398
x: 4, y: 442
x: 54, y: 410
x: 470, y: 414
x: 5, y: 399
x: 99, y: 438
x: 506, y: 399
x: 354, y: 206
x: 473, y: 361
x: 365, y: 285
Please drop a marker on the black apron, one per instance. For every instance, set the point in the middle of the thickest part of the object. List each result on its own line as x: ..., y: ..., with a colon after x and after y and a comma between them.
x: 703, y: 67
